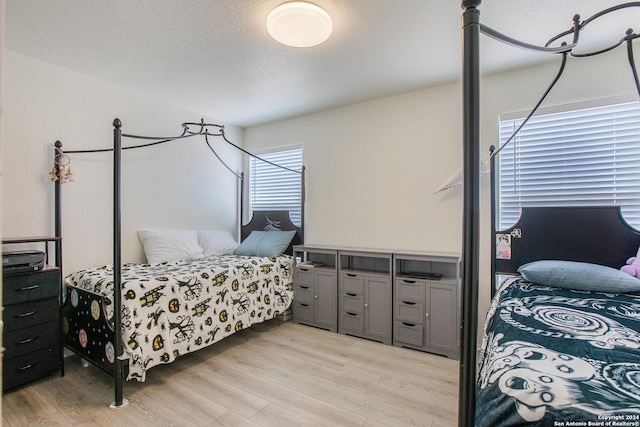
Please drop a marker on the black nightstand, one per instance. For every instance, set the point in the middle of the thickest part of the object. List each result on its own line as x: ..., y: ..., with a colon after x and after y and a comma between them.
x: 32, y: 333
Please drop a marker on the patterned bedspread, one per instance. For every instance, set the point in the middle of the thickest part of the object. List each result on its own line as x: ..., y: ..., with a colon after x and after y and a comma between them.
x: 556, y: 357
x: 171, y: 309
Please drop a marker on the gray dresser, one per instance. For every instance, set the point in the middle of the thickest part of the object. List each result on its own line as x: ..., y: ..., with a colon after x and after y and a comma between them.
x: 427, y: 302
x: 315, y: 287
x: 405, y: 298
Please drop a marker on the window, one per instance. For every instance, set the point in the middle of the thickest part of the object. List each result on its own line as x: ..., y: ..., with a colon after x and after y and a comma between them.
x: 272, y: 187
x: 588, y: 156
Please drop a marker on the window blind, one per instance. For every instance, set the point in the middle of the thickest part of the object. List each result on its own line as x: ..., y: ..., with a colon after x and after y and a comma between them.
x: 588, y: 157
x: 272, y: 187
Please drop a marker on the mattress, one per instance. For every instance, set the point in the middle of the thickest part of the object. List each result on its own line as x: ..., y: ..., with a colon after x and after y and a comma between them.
x: 555, y: 356
x: 174, y: 308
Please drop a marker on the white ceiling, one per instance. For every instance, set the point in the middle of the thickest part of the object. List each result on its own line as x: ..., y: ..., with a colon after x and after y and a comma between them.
x: 215, y: 57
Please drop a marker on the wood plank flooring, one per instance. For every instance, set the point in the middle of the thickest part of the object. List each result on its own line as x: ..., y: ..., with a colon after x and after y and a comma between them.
x: 287, y: 375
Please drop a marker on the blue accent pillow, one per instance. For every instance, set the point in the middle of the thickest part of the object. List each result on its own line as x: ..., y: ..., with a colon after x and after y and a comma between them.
x: 265, y: 243
x: 580, y: 276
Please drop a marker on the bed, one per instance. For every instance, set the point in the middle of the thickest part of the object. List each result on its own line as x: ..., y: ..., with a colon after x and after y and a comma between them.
x: 561, y: 342
x: 563, y: 44
x: 196, y: 288
x: 173, y: 308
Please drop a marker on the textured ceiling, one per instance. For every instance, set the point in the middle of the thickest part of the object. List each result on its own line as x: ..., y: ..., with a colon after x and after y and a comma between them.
x: 215, y: 57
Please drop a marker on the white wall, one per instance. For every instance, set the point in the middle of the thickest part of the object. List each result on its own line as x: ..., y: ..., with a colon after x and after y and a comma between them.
x: 372, y: 167
x: 180, y: 185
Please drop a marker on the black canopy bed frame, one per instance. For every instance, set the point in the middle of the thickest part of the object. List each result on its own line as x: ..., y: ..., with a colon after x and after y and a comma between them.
x: 260, y: 220
x: 612, y: 254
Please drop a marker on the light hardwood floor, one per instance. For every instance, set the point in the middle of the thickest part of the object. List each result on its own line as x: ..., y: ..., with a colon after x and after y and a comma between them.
x: 290, y: 376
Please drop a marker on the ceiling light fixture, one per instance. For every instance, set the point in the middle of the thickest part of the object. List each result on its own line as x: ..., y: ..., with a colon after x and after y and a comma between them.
x: 299, y: 24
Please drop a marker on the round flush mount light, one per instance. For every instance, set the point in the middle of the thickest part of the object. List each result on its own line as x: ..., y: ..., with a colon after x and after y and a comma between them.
x: 299, y: 24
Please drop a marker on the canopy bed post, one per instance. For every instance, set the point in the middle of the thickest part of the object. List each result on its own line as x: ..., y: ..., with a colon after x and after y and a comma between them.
x: 58, y: 229
x: 57, y: 202
x: 302, y: 198
x: 471, y: 209
x: 494, y: 218
x: 241, y: 212
x: 629, y: 41
x: 119, y: 402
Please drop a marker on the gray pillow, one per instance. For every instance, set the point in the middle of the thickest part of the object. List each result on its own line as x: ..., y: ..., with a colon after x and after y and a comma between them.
x: 579, y: 276
x: 265, y: 243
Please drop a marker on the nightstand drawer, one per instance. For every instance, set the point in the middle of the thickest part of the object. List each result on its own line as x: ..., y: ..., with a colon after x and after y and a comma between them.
x: 28, y: 367
x: 18, y: 316
x: 22, y: 341
x: 29, y: 287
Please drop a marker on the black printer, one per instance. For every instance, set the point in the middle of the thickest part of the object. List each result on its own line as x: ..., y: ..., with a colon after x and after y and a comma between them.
x: 22, y: 261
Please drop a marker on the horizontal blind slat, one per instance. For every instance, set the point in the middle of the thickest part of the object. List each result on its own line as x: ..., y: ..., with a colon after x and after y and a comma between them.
x: 272, y: 188
x: 580, y: 157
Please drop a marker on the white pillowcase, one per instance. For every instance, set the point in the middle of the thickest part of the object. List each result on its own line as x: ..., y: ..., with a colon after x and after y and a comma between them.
x: 170, y: 245
x: 217, y: 242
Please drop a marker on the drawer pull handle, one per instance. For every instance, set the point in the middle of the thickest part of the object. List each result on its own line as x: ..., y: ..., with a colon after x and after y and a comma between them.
x: 304, y: 305
x: 28, y: 288
x: 304, y: 269
x: 27, y: 341
x: 352, y: 314
x: 304, y: 287
x: 408, y: 281
x: 352, y: 295
x: 25, y: 367
x: 409, y: 302
x: 409, y: 324
x: 352, y: 275
x: 30, y: 313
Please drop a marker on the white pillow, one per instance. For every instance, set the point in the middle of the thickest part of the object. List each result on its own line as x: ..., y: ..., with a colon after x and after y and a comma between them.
x: 170, y: 245
x: 217, y: 242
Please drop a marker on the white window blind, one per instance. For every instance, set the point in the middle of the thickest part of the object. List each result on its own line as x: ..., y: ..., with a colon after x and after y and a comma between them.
x: 272, y: 187
x: 588, y: 157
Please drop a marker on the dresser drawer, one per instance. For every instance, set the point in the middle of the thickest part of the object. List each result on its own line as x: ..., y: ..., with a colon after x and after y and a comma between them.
x: 353, y: 283
x: 412, y: 312
x: 28, y: 367
x: 351, y: 322
x: 18, y: 316
x: 303, y: 311
x: 25, y: 340
x: 350, y: 302
x: 408, y: 333
x: 410, y: 289
x: 303, y: 293
x: 29, y: 287
x: 304, y: 276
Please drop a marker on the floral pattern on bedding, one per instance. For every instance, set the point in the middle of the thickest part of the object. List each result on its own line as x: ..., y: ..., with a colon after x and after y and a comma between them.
x: 554, y: 356
x: 174, y: 308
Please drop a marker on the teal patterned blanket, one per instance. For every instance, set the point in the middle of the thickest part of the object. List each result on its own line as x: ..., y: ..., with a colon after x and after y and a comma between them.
x: 558, y: 357
x: 174, y: 308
